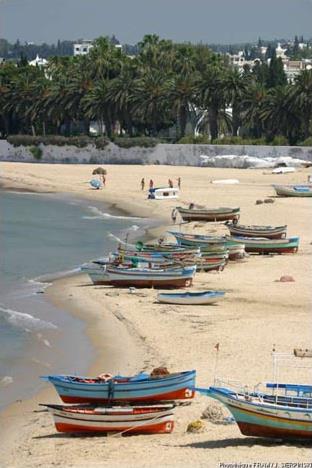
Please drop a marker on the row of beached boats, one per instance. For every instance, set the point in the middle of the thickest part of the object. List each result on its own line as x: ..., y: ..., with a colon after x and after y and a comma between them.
x: 173, y: 265
x: 145, y: 404
x: 141, y: 404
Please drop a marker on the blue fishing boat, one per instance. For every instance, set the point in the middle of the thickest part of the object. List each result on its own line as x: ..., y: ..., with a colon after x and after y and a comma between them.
x: 293, y: 190
x: 106, y: 388
x: 275, y: 415
x: 191, y: 298
x: 263, y: 246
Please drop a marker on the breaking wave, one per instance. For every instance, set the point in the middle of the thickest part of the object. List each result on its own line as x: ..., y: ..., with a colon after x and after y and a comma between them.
x: 6, y: 380
x: 25, y: 321
x: 98, y: 214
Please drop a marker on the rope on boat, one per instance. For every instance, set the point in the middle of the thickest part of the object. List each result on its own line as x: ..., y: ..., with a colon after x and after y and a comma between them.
x: 144, y: 423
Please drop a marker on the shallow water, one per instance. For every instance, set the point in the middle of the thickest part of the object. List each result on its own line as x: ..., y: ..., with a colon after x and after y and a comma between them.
x: 41, y: 236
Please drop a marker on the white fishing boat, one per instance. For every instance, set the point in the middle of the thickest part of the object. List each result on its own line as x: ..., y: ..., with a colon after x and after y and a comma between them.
x: 151, y: 419
x: 191, y: 298
x: 163, y: 193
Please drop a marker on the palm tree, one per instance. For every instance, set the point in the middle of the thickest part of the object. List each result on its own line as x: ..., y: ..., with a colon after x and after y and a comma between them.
x: 96, y: 105
x: 181, y: 96
x: 211, y: 95
x: 251, y: 105
x: 301, y: 97
x: 235, y: 88
x: 278, y: 116
x: 149, y: 99
x: 120, y: 94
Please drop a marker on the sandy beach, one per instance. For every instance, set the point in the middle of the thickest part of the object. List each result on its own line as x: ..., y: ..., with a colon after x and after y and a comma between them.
x: 131, y: 332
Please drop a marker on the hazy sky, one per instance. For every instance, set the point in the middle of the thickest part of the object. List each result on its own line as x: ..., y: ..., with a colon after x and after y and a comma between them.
x: 222, y: 21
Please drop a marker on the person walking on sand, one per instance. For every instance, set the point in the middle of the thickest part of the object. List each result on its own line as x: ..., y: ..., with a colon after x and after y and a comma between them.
x: 174, y: 215
x: 142, y: 183
x: 103, y: 180
x: 179, y: 183
x: 151, y: 184
x: 170, y: 183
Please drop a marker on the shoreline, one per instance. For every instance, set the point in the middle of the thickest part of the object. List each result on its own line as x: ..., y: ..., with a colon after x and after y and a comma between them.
x: 185, y: 338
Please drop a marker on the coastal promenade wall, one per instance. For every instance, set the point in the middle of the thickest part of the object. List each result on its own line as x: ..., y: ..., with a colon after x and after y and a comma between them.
x: 168, y: 154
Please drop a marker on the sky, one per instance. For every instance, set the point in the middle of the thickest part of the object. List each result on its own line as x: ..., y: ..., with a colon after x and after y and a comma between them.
x: 209, y: 21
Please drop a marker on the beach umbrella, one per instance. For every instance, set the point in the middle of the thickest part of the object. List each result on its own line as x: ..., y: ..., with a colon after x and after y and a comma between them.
x: 99, y: 170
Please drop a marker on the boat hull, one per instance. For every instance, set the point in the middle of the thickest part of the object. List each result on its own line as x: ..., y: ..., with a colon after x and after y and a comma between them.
x: 190, y: 215
x: 191, y: 299
x: 164, y: 426
x: 173, y: 387
x: 257, y: 231
x: 258, y: 418
x: 266, y: 246
x: 284, y: 191
x: 129, y: 420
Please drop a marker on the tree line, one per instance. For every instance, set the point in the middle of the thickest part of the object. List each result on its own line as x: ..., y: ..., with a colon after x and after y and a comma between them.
x: 165, y: 86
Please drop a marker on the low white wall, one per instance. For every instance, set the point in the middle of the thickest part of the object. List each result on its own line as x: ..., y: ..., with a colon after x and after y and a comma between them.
x: 170, y: 154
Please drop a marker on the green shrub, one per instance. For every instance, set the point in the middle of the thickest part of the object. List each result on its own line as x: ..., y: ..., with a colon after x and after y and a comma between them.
x: 233, y: 140
x: 143, y: 142
x: 36, y: 151
x: 279, y: 140
x: 101, y: 142
x: 57, y: 140
x: 194, y: 140
x: 307, y: 142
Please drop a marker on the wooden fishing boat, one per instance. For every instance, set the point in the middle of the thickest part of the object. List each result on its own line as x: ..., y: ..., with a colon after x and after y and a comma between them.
x: 176, y: 253
x: 211, y: 244
x: 191, y: 298
x: 211, y: 264
x: 209, y: 214
x: 149, y: 277
x: 263, y: 245
x: 236, y: 250
x: 293, y: 190
x: 269, y: 232
x: 144, y: 419
x: 142, y: 387
x: 96, y: 272
x: 140, y: 277
x: 263, y: 415
x: 198, y: 240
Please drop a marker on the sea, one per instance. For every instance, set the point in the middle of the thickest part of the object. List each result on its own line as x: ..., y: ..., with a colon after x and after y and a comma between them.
x: 44, y: 237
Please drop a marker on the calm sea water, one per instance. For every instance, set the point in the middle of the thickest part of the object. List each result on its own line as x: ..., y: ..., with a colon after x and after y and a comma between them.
x: 39, y: 237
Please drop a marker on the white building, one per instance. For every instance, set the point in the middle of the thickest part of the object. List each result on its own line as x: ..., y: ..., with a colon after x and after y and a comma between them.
x: 38, y: 62
x: 280, y: 52
x: 83, y: 47
x: 293, y: 68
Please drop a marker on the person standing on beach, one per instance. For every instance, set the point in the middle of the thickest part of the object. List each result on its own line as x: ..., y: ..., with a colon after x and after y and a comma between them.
x: 179, y: 183
x: 142, y: 183
x: 103, y: 180
x: 170, y: 183
x: 151, y: 184
x: 174, y: 215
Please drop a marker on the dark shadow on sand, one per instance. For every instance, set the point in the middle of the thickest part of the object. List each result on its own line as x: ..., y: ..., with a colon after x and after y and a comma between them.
x: 246, y: 442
